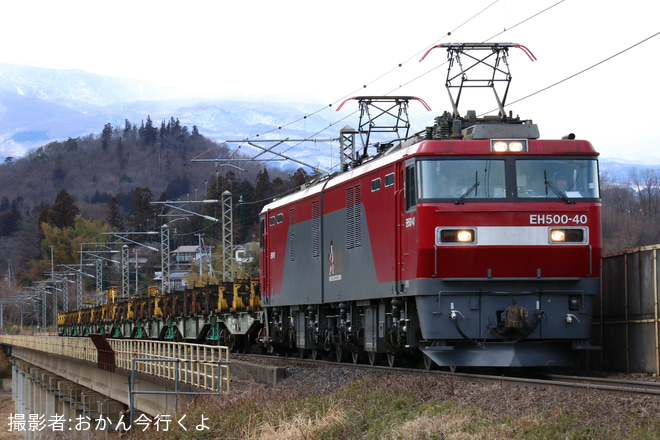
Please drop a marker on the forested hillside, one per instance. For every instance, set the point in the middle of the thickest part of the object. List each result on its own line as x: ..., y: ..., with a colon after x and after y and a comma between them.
x: 120, y: 159
x: 112, y: 178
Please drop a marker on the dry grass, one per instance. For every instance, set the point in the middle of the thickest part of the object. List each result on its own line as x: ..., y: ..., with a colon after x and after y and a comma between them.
x: 429, y: 426
x: 300, y: 426
x: 342, y: 403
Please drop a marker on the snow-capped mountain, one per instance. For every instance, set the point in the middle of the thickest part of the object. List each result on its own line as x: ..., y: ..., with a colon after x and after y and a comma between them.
x: 38, y: 106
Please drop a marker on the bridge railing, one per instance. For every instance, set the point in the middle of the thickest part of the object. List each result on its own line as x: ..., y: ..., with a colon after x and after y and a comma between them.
x: 199, y: 365
x: 202, y: 366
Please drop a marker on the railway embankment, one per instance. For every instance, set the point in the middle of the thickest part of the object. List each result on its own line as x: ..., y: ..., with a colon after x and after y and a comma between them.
x: 339, y: 401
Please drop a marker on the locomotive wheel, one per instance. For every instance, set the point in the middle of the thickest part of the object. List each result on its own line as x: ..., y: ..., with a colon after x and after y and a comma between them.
x: 355, y: 355
x: 372, y: 358
x: 302, y: 353
x: 316, y: 355
x: 391, y: 360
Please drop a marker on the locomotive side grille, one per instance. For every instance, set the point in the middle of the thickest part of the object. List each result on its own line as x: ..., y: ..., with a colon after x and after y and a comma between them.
x: 357, y: 215
x: 350, y: 221
x: 353, y: 217
x: 292, y: 235
x: 316, y: 223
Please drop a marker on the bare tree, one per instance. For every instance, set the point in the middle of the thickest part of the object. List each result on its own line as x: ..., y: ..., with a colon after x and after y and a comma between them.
x: 646, y: 184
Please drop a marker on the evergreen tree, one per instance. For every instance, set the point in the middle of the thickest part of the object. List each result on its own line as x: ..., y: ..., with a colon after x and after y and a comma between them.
x: 106, y: 135
x: 10, y: 220
x: 128, y: 127
x: 150, y: 133
x: 142, y: 213
x: 245, y: 215
x: 120, y: 155
x: 279, y: 186
x: 114, y: 219
x: 263, y: 190
x: 63, y: 212
x: 298, y: 178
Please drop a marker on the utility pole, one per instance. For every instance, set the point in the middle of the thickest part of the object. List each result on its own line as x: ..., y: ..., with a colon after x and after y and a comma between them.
x: 165, y: 259
x: 175, y: 211
x: 227, y: 238
x: 124, y: 272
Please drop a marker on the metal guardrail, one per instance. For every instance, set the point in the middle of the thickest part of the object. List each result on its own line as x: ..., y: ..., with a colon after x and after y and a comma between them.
x: 202, y: 366
x: 627, y: 312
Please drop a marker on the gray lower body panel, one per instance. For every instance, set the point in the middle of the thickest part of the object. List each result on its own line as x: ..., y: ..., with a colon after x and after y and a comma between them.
x: 498, y: 354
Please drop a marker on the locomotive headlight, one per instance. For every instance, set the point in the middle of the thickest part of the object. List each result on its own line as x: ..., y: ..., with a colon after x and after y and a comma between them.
x: 557, y: 235
x: 568, y: 235
x: 500, y: 146
x: 464, y: 236
x: 516, y: 146
x: 458, y: 236
x: 511, y: 145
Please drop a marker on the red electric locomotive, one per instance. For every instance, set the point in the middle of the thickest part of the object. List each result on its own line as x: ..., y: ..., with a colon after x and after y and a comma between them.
x: 474, y: 243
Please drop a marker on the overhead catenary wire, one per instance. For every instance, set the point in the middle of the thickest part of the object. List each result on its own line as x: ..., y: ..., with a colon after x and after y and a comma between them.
x: 525, y: 20
x: 418, y: 77
x: 397, y: 67
x: 586, y: 69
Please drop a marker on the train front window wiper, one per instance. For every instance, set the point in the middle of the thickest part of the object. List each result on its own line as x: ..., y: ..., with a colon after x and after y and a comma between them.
x: 553, y: 187
x: 461, y: 199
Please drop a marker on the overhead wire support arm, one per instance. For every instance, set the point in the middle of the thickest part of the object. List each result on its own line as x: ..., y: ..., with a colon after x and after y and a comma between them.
x: 280, y: 155
x: 494, y: 69
x: 177, y: 210
x: 276, y: 155
x: 378, y: 114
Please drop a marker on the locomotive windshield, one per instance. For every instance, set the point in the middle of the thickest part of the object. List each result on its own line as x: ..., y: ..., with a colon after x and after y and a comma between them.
x: 557, y: 178
x: 460, y: 180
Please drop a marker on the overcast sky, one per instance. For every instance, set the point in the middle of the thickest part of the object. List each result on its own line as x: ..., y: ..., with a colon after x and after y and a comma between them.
x: 321, y: 52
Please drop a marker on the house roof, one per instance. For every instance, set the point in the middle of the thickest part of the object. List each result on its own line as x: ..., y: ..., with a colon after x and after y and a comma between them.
x: 186, y: 249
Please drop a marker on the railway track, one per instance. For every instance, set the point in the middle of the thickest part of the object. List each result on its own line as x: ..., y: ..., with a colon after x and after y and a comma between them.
x: 543, y: 380
x: 607, y: 384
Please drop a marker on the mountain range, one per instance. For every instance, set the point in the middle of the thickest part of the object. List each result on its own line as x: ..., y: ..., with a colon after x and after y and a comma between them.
x: 38, y: 106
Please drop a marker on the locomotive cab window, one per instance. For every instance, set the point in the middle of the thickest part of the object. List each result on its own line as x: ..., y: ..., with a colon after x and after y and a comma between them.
x: 411, y: 192
x: 557, y: 178
x: 461, y: 179
x: 262, y: 230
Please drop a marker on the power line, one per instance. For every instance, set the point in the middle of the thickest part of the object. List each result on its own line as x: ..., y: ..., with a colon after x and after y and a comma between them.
x: 370, y: 83
x: 525, y: 20
x: 585, y: 70
x: 438, y: 66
